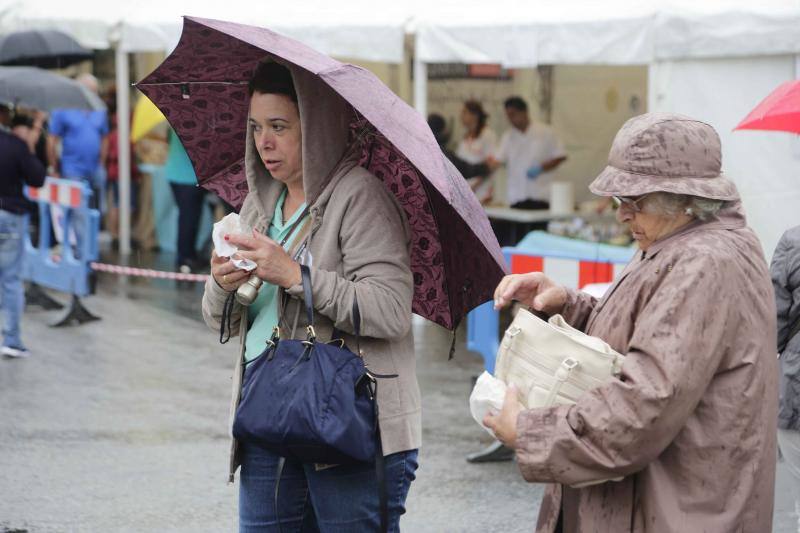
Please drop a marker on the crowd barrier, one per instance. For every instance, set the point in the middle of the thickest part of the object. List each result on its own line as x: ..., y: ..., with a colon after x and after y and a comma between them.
x: 64, y: 206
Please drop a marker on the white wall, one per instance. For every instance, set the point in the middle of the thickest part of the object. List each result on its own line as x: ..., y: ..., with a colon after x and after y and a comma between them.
x: 764, y: 165
x: 590, y: 104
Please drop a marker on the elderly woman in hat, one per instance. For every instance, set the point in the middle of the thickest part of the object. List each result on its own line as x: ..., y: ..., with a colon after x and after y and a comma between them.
x: 689, y: 428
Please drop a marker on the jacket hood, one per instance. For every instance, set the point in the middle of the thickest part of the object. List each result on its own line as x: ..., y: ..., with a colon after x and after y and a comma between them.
x: 325, y: 123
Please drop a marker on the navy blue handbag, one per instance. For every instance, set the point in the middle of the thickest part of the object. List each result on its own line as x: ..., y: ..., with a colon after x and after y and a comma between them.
x: 312, y: 401
x: 308, y: 400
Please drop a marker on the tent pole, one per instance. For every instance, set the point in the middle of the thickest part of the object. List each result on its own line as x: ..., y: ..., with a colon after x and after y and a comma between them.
x: 123, y: 129
x: 420, y: 83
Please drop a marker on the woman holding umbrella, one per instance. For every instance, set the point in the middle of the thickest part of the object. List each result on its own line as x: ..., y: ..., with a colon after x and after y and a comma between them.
x: 310, y: 202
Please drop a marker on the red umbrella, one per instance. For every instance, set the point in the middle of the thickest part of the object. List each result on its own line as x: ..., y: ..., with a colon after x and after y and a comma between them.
x: 202, y: 90
x: 779, y: 111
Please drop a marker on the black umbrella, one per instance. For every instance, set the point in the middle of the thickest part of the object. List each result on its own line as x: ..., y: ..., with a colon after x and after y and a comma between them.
x: 41, y: 48
x: 40, y: 89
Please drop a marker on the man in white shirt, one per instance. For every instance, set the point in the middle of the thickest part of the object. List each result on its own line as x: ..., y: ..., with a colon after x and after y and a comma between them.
x: 531, y: 152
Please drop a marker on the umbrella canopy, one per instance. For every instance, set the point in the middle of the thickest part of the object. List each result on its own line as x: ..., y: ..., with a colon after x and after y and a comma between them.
x: 40, y: 89
x: 146, y: 116
x: 779, y: 111
x: 41, y: 48
x: 202, y: 90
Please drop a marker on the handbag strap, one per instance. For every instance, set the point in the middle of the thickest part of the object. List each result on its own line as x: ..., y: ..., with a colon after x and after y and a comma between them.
x: 308, y: 297
x: 338, y: 334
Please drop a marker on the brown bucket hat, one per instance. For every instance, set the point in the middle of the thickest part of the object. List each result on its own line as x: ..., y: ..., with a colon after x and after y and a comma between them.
x: 668, y: 153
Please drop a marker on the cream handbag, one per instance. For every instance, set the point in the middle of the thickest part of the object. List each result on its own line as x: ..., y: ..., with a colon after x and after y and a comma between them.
x: 552, y: 362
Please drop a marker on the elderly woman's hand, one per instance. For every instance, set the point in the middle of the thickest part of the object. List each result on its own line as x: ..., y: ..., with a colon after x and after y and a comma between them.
x: 504, y: 424
x: 534, y: 290
x: 226, y: 274
x: 273, y: 264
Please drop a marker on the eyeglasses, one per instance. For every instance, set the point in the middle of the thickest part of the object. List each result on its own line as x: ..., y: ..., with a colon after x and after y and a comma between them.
x: 631, y: 202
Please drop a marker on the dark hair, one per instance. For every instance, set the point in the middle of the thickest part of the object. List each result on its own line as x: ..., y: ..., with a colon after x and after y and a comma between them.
x: 475, y: 107
x: 515, y: 102
x: 438, y: 126
x: 272, y: 78
x: 21, y: 119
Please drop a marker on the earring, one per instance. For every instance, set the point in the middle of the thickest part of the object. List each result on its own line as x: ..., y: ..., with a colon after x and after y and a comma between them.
x: 689, y: 211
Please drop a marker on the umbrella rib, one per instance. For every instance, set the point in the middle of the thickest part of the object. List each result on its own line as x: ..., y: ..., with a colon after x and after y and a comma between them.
x: 192, y: 82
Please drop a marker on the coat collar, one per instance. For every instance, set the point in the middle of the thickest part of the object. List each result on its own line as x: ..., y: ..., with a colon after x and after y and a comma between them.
x: 729, y: 218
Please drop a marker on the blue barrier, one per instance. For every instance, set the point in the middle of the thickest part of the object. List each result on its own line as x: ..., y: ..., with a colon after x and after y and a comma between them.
x: 70, y: 272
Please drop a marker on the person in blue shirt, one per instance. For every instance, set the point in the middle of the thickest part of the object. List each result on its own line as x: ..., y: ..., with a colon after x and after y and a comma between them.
x: 83, y: 137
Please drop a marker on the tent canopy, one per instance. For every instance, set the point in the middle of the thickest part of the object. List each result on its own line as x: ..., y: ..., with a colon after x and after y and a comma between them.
x: 513, y: 33
x: 612, y: 32
x: 155, y: 25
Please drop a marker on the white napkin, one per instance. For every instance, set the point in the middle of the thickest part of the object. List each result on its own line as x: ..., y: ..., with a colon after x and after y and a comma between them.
x: 487, y: 395
x: 229, y: 225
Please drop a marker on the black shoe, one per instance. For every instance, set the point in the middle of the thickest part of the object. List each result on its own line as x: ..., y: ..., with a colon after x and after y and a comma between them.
x: 495, y: 453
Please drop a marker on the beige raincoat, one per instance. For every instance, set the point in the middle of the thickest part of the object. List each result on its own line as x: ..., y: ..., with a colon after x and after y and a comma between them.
x: 691, y: 425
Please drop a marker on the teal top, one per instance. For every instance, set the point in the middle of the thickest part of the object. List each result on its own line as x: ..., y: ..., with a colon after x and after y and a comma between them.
x: 263, y: 312
x: 178, y: 168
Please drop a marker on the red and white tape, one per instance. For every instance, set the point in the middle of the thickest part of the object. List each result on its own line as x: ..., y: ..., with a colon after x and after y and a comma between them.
x: 147, y: 273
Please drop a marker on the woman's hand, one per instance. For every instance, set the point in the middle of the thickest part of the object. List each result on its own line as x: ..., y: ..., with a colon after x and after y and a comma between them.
x: 504, y: 424
x: 226, y: 274
x: 533, y: 289
x: 273, y: 264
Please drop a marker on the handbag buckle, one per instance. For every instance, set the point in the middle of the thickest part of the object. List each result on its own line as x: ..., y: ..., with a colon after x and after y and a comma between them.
x: 570, y: 363
x: 511, y: 332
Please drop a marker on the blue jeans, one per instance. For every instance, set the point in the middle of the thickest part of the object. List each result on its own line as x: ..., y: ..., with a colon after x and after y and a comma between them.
x: 341, y: 499
x: 13, y: 228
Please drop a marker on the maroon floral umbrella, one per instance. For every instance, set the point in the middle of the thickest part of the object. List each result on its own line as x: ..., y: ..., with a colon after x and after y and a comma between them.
x: 202, y: 90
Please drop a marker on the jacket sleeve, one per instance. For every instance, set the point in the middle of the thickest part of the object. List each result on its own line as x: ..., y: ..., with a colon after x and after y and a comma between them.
x: 375, y: 244
x: 578, y: 308
x: 782, y: 269
x: 30, y: 168
x: 619, y: 428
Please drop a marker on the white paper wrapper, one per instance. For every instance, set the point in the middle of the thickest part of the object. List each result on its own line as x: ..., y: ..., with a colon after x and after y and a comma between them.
x: 487, y: 395
x: 229, y: 225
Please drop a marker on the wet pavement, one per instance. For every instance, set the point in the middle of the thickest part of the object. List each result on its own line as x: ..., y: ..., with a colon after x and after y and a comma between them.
x: 121, y: 425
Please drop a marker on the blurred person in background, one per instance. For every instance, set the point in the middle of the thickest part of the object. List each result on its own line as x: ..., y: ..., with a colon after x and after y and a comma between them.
x: 785, y: 270
x: 190, y: 198
x: 438, y: 126
x: 477, y: 145
x: 530, y: 152
x: 112, y: 171
x: 83, y: 140
x: 18, y: 167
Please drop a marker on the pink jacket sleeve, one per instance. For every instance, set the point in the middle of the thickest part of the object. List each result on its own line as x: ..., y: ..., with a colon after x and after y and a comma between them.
x: 617, y: 429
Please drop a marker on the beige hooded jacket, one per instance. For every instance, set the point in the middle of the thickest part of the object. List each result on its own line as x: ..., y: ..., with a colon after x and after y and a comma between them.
x: 358, y: 243
x: 692, y: 423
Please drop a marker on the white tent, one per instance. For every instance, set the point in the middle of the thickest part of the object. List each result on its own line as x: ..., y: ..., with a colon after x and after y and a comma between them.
x: 713, y: 60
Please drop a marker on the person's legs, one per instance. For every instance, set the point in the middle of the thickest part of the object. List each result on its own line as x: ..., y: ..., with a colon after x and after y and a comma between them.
x: 12, y: 232
x: 257, y: 509
x: 78, y: 222
x: 345, y: 498
x: 190, y: 204
x: 789, y: 443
